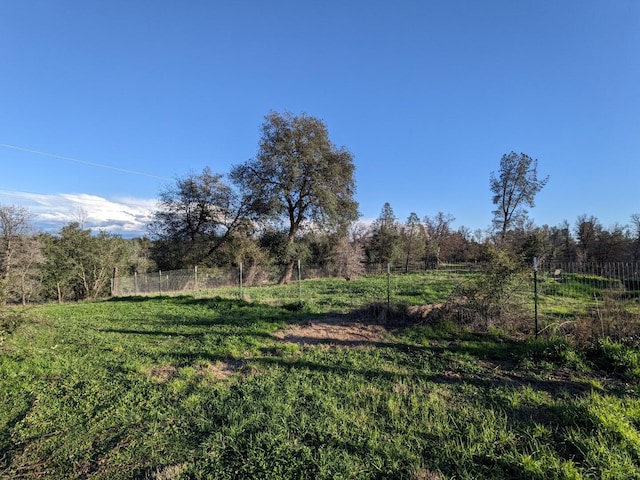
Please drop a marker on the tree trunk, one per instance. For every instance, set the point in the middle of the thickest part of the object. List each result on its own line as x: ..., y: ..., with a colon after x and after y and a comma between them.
x: 288, y: 273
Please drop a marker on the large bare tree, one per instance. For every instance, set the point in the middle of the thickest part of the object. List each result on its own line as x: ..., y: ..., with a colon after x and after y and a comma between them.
x: 347, y: 255
x: 439, y: 235
x: 298, y: 179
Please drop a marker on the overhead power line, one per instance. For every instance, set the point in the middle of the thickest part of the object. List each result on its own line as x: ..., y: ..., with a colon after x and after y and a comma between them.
x: 93, y: 164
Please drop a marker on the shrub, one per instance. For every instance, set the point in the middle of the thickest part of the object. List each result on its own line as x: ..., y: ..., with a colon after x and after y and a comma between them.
x: 492, y: 294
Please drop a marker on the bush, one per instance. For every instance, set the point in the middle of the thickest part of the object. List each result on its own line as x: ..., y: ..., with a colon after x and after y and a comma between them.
x: 9, y: 321
x: 492, y: 294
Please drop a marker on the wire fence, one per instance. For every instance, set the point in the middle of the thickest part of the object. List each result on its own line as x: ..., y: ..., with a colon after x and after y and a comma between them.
x: 189, y: 280
x: 577, y: 298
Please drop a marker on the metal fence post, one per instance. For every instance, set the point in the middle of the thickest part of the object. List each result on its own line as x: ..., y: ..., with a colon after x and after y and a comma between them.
x: 299, y: 284
x: 388, y: 286
x: 535, y: 292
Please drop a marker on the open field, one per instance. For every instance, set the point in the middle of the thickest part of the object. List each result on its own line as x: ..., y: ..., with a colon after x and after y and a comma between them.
x: 216, y: 387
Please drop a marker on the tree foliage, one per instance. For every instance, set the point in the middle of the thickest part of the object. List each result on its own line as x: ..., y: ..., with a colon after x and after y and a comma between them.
x: 514, y: 189
x: 80, y: 265
x: 194, y: 218
x: 298, y: 178
x: 384, y: 245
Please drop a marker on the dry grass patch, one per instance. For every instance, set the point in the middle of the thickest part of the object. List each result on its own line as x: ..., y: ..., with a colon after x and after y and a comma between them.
x: 161, y: 373
x: 333, y: 331
x: 172, y: 472
x: 220, y: 370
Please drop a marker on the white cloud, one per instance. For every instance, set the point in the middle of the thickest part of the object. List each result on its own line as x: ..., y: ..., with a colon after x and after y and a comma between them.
x: 125, y: 215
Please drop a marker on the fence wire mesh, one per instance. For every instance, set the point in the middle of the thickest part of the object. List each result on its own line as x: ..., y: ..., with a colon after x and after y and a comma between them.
x: 568, y: 297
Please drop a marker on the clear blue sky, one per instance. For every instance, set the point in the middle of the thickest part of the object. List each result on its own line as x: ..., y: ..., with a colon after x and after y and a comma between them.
x: 427, y: 95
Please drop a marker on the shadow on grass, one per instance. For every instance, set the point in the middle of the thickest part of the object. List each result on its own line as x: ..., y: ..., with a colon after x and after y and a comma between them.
x: 444, y: 373
x: 447, y: 354
x: 219, y: 311
x: 160, y: 333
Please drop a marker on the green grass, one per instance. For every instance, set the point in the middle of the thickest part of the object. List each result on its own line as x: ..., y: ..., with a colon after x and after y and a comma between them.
x: 339, y: 295
x: 185, y: 387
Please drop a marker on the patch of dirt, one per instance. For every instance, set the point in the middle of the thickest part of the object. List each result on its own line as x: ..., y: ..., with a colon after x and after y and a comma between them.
x: 333, y: 331
x: 218, y: 371
x: 221, y: 370
x: 361, y: 328
x: 162, y: 373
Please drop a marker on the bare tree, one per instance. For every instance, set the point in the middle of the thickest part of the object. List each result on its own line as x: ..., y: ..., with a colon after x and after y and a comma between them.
x: 347, y: 255
x: 20, y: 254
x: 438, y: 230
x: 588, y: 229
x: 635, y: 231
x: 413, y: 240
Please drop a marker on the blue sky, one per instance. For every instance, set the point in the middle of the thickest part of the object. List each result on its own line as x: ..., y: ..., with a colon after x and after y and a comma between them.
x: 427, y: 95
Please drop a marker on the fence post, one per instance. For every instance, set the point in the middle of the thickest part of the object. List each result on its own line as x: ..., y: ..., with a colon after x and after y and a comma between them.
x: 299, y: 284
x: 160, y: 281
x: 114, y: 283
x: 195, y: 273
x: 535, y: 293
x: 388, y: 286
x: 135, y: 282
x: 240, y: 274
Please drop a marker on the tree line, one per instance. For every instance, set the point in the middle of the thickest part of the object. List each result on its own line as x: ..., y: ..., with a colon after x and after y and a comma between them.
x: 293, y: 201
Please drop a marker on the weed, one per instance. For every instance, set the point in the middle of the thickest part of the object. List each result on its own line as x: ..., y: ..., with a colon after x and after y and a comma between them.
x: 617, y: 358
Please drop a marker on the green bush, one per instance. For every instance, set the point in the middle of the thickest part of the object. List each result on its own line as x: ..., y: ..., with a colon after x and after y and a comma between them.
x: 493, y: 294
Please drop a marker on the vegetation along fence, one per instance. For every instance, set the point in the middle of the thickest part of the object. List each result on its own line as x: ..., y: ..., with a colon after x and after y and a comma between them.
x: 576, y: 298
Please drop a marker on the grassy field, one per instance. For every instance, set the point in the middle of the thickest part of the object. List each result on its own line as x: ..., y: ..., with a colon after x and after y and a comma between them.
x: 216, y: 387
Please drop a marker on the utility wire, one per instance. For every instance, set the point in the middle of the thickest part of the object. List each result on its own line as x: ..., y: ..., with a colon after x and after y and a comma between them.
x: 100, y: 165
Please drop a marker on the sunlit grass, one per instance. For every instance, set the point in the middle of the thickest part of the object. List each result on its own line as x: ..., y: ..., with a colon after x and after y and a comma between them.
x: 339, y: 295
x: 199, y: 387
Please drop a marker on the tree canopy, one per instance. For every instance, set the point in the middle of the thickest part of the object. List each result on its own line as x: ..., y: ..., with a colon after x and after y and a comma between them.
x: 514, y: 189
x: 384, y: 246
x: 298, y: 177
x: 195, y: 216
